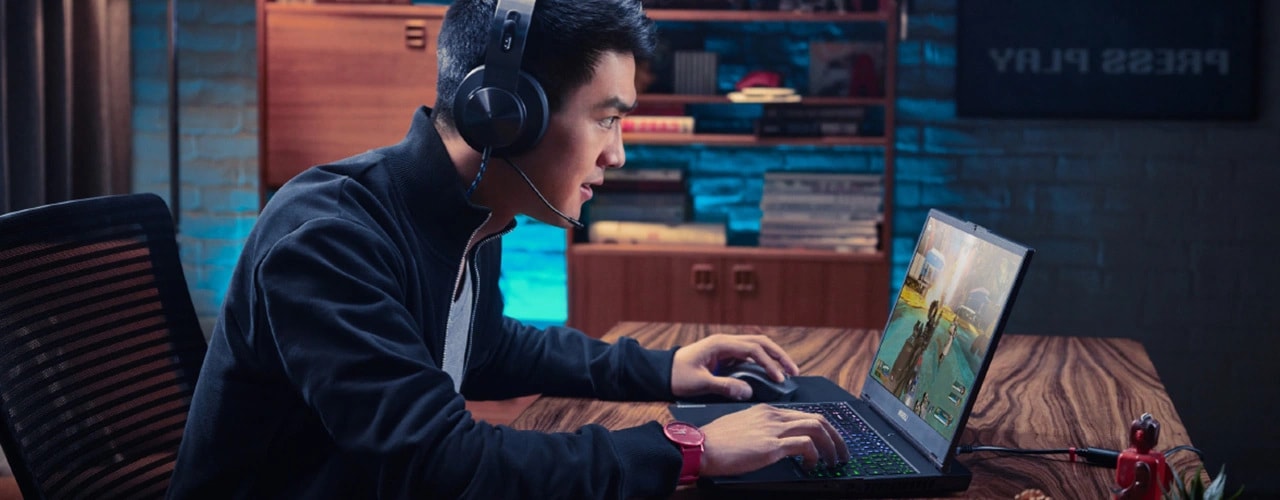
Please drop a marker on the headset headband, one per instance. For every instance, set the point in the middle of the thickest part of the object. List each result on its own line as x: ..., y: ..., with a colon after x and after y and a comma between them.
x: 507, y: 35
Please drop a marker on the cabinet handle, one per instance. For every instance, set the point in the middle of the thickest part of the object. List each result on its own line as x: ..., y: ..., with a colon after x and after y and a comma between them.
x: 744, y: 278
x: 415, y: 34
x: 703, y: 277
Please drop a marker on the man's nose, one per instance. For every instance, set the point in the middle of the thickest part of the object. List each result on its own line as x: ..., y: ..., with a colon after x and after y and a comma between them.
x: 614, y: 154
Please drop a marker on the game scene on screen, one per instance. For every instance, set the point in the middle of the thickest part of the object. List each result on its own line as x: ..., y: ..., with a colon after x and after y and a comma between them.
x: 943, y: 321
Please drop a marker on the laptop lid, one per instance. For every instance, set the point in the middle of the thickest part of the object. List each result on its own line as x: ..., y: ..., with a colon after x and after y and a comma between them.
x: 942, y: 331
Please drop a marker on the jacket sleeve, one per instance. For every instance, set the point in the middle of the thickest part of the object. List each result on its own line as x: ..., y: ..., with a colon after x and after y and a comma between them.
x: 561, y: 361
x: 334, y: 305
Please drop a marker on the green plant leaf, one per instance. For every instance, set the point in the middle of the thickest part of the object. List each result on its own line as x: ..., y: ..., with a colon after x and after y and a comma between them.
x: 1197, y: 485
x: 1218, y: 486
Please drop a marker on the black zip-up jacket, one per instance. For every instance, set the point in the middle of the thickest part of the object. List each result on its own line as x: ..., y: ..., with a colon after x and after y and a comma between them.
x: 323, y: 377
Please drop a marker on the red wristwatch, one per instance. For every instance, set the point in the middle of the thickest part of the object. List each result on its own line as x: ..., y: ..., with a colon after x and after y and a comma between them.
x: 689, y: 438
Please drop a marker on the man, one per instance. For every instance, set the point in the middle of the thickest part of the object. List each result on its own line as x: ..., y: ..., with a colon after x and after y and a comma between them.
x: 365, y: 306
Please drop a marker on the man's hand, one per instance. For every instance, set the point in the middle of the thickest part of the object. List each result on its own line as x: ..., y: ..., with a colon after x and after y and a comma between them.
x: 691, y: 370
x: 744, y: 441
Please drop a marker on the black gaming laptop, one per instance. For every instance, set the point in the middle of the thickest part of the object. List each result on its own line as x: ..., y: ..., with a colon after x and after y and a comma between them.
x: 933, y: 355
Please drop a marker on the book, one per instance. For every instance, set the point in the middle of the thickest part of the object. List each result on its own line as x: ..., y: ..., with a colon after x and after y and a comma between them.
x: 822, y: 183
x: 630, y: 186
x: 826, y: 215
x: 658, y: 124
x: 689, y: 233
x: 663, y: 214
x: 640, y: 199
x: 765, y: 95
x: 852, y: 200
x: 813, y: 112
x: 832, y: 183
x: 806, y: 128
x: 695, y: 72
x: 832, y: 226
x: 824, y: 246
x: 644, y: 174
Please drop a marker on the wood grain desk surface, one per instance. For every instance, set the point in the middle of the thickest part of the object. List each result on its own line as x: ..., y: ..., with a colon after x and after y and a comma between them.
x: 1040, y: 392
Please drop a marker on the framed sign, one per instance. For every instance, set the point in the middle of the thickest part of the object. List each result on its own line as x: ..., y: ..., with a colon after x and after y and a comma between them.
x: 1130, y: 59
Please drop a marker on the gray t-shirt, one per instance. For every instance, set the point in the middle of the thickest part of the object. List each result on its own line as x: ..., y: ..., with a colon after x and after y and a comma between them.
x: 459, y: 334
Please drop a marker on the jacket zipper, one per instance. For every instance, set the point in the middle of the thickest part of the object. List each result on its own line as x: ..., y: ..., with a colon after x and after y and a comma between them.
x: 453, y: 296
x: 475, y: 293
x: 475, y: 298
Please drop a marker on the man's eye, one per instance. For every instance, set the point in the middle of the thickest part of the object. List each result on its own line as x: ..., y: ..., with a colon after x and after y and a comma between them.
x: 609, y: 122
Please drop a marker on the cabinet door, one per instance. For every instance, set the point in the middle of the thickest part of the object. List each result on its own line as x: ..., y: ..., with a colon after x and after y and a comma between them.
x: 338, y: 84
x: 796, y: 292
x: 607, y: 288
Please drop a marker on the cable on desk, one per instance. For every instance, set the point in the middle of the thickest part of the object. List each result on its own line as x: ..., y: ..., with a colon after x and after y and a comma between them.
x: 1101, y: 457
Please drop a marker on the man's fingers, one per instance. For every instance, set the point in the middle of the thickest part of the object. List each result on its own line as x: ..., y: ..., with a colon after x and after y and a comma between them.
x: 823, y: 436
x: 776, y: 352
x: 759, y: 348
x: 841, y: 448
x: 731, y: 388
x: 757, y: 353
x: 799, y: 445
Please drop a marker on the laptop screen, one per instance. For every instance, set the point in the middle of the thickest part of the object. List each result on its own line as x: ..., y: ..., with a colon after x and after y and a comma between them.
x: 936, y: 345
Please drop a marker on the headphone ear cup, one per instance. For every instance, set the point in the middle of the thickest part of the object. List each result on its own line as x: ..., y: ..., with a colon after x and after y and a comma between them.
x: 494, y: 118
x: 536, y: 116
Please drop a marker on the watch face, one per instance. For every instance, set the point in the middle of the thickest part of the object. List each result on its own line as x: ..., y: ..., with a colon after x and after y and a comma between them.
x: 684, y: 434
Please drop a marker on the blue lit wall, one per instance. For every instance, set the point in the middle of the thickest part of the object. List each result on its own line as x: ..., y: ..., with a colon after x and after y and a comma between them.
x: 218, y: 132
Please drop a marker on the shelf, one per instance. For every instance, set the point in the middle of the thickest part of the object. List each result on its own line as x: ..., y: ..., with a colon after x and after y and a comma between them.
x: 655, y: 14
x: 727, y: 251
x: 765, y: 16
x: 748, y: 140
x: 359, y: 9
x: 720, y: 99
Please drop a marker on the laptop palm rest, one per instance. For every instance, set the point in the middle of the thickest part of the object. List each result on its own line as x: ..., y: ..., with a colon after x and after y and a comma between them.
x: 784, y: 477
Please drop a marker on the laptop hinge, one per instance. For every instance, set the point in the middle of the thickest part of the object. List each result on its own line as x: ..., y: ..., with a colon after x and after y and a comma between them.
x: 866, y: 398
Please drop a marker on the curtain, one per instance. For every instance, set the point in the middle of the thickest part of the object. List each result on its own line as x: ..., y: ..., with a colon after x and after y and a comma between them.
x: 65, y: 100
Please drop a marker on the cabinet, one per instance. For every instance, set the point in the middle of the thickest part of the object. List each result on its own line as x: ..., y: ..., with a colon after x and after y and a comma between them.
x: 744, y: 285
x: 337, y: 80
x: 730, y: 286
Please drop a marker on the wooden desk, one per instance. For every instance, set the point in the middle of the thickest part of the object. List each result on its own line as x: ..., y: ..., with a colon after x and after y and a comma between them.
x: 1040, y: 392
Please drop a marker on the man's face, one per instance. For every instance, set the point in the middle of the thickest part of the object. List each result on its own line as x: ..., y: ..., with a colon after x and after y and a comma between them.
x: 582, y: 139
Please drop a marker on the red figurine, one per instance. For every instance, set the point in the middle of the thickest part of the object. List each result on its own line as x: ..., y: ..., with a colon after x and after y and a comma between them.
x: 1141, y: 472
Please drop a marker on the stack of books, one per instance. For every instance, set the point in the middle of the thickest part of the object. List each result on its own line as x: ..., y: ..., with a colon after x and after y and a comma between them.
x: 647, y: 206
x: 641, y: 195
x: 826, y: 211
x: 801, y: 120
x: 639, y: 233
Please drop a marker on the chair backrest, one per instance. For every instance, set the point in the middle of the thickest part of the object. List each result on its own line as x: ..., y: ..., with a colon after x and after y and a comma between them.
x: 99, y: 347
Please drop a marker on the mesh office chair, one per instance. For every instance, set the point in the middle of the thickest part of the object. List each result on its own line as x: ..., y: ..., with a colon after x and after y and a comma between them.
x: 99, y: 348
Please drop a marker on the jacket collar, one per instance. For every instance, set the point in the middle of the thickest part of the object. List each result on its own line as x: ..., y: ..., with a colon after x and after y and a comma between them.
x: 428, y: 182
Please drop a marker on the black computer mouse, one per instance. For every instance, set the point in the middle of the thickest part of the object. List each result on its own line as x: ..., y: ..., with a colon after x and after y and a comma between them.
x: 763, y: 387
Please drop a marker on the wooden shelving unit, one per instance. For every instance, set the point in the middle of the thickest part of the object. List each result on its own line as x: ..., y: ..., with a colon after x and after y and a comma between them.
x: 743, y: 285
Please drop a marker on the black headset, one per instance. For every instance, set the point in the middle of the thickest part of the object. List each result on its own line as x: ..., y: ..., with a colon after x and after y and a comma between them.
x: 498, y: 107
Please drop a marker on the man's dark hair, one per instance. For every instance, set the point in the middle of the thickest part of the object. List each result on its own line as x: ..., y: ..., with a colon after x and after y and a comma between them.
x: 566, y: 39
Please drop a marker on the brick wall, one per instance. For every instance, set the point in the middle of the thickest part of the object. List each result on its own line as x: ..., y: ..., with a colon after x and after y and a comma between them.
x: 1156, y: 231
x: 219, y: 127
